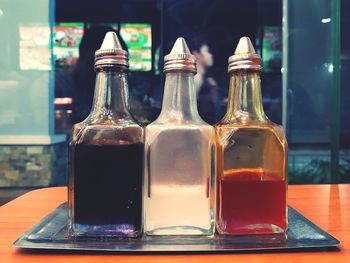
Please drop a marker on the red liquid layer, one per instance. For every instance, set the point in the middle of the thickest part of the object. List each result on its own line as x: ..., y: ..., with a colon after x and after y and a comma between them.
x: 251, y: 202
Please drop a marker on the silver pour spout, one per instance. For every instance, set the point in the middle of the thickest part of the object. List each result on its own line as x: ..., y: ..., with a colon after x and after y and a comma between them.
x: 180, y: 58
x: 245, y: 57
x: 111, y: 53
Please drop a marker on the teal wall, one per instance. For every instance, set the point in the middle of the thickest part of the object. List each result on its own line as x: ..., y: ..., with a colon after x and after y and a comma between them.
x: 26, y: 90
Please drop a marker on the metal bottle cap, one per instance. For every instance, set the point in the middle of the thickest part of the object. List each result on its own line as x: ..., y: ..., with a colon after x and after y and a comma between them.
x: 180, y: 58
x: 111, y: 53
x: 244, y: 57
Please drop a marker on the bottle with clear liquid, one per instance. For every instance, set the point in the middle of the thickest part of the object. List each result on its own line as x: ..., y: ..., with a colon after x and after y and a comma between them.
x: 252, y: 155
x: 106, y: 155
x: 179, y: 156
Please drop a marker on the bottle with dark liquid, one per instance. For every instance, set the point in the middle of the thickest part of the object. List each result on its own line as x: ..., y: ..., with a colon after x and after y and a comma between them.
x: 106, y: 155
x: 252, y: 155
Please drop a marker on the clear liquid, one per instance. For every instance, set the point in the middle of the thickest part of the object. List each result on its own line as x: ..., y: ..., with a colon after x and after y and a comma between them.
x: 179, y: 179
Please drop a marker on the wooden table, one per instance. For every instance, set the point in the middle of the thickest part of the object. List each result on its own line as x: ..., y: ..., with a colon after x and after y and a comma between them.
x: 326, y: 205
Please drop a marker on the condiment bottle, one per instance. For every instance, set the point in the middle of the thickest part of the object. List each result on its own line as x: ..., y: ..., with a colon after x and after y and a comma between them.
x: 179, y: 156
x: 106, y: 155
x: 252, y: 155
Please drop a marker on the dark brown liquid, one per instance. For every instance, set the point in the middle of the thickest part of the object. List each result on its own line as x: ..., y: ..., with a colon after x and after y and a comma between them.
x: 108, y: 185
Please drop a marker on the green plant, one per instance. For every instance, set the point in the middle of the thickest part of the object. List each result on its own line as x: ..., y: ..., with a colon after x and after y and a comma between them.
x: 318, y: 172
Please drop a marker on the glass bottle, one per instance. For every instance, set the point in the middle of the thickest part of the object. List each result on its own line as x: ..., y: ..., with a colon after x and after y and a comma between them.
x: 252, y: 155
x: 106, y: 155
x: 180, y: 156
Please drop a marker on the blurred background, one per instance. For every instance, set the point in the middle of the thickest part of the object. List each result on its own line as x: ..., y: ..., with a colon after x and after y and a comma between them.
x: 47, y: 77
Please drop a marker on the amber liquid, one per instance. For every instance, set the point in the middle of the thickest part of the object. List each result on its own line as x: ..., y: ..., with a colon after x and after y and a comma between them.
x: 251, y: 201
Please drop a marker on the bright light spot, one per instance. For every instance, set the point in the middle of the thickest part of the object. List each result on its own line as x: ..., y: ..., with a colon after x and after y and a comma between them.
x: 282, y: 69
x: 330, y: 68
x: 326, y: 20
x: 1, y: 12
x: 63, y: 101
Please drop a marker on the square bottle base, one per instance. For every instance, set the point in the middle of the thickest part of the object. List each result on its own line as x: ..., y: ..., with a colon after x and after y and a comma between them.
x: 102, y: 231
x: 253, y: 229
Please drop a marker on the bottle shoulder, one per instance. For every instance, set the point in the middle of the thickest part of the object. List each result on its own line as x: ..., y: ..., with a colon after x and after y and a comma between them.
x: 224, y: 131
x: 175, y: 132
x: 107, y: 132
x: 264, y: 125
x: 106, y: 122
x: 180, y: 126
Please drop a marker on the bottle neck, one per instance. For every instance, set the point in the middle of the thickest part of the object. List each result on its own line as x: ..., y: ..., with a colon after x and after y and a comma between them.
x: 245, y: 101
x: 179, y: 100
x: 111, y: 95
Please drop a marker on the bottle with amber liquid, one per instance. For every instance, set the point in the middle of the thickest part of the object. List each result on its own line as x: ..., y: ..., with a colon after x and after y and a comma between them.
x: 106, y: 155
x: 179, y: 156
x: 252, y: 155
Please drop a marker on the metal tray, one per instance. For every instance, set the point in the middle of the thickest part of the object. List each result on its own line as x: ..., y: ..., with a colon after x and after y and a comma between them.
x: 51, y: 233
